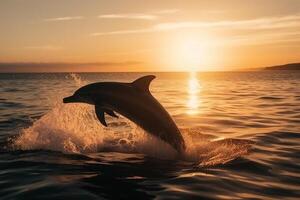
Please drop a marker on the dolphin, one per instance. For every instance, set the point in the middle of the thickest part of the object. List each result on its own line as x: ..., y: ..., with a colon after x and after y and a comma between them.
x: 135, y: 102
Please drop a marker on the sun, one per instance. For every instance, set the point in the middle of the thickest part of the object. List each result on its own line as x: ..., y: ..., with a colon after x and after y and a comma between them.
x: 192, y: 53
x: 187, y: 52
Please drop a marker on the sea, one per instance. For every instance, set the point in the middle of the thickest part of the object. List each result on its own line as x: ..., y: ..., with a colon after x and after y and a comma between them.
x: 241, y: 130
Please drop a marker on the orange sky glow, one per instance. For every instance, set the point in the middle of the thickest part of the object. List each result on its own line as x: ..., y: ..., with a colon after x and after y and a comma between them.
x: 134, y: 35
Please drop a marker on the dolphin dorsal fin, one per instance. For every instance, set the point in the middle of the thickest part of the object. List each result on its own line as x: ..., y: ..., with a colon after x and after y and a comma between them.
x: 143, y: 82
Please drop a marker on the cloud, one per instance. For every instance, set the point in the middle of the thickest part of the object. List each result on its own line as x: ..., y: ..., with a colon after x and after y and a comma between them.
x: 133, y: 31
x: 64, y: 18
x: 142, y: 16
x: 44, y: 47
x: 265, y: 38
x: 167, y: 11
x: 129, y: 16
x: 260, y: 23
x: 252, y: 24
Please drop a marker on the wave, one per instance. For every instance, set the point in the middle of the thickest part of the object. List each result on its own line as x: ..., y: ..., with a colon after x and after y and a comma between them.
x: 270, y: 98
x: 5, y: 104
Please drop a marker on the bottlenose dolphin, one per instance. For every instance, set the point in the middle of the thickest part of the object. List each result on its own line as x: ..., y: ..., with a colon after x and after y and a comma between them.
x: 135, y: 102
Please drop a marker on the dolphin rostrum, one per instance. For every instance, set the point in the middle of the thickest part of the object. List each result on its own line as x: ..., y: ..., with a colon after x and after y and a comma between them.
x: 135, y: 102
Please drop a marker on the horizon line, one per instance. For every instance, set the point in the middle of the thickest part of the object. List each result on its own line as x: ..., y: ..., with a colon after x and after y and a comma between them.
x: 94, y: 72
x: 28, y: 67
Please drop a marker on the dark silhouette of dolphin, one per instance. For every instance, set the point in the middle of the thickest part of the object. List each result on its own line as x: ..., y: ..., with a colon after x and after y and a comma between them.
x: 135, y: 102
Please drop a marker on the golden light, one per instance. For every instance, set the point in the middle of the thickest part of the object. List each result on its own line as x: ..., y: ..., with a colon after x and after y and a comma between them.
x: 192, y: 53
x: 188, y: 52
x: 194, y: 88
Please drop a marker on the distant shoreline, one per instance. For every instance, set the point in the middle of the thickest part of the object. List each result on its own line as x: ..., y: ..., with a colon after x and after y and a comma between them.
x: 290, y: 66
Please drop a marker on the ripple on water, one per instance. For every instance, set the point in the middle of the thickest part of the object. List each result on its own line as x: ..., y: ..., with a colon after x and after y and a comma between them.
x: 65, y: 153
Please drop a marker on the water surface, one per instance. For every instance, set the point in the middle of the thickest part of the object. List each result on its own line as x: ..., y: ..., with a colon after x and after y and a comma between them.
x: 241, y: 129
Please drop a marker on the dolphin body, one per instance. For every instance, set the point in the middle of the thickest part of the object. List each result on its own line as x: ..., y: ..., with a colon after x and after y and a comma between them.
x: 135, y: 102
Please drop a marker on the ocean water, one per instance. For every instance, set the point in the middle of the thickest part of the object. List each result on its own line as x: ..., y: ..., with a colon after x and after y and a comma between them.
x: 241, y: 129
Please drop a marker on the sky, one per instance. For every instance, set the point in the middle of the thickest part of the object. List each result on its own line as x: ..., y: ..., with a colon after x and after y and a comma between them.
x: 148, y: 35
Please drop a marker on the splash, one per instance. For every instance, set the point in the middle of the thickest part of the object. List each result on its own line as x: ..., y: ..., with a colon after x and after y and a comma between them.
x: 77, y: 80
x: 209, y: 151
x: 74, y: 128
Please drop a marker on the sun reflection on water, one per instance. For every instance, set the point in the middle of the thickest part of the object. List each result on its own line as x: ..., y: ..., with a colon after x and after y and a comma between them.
x: 194, y: 88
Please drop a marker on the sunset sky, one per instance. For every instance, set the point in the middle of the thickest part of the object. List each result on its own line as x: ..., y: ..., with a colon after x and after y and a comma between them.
x: 135, y: 35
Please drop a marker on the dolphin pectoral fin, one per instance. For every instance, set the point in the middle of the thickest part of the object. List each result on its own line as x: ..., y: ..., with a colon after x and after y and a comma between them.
x: 100, y: 115
x: 143, y: 83
x: 111, y: 113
